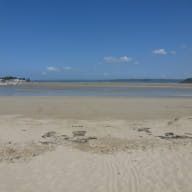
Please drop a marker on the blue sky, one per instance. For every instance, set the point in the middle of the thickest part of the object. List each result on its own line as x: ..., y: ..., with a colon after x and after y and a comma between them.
x: 96, y: 39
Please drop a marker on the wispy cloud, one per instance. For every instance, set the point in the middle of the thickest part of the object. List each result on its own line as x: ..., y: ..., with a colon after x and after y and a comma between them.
x: 67, y: 68
x: 184, y: 46
x: 136, y: 62
x: 106, y: 74
x: 110, y: 59
x: 125, y: 59
x: 53, y: 69
x: 117, y: 60
x: 173, y: 52
x: 44, y: 73
x: 159, y: 52
x: 163, y: 52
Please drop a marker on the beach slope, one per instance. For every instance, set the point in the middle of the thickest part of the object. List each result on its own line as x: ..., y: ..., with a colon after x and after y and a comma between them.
x: 100, y: 144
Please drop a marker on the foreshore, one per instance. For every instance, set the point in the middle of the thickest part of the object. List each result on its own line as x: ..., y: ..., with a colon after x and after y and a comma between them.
x: 108, y: 84
x: 100, y: 144
x: 95, y: 108
x: 102, y: 89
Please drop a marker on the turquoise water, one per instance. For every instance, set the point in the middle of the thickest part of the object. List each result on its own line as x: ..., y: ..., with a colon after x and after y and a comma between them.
x: 176, y: 90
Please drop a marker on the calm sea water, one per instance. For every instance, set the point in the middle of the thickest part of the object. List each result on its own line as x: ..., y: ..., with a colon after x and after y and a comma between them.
x: 169, y: 90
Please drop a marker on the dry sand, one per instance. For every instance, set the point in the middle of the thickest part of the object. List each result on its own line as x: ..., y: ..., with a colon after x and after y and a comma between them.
x: 129, y: 144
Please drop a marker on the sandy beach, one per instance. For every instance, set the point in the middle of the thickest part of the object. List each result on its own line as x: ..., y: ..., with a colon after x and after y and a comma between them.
x: 100, y: 144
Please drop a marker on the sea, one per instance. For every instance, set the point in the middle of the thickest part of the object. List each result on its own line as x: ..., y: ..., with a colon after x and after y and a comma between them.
x: 128, y: 88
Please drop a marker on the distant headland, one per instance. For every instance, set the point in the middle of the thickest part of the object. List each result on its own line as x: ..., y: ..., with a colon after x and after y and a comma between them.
x: 10, y: 80
x: 188, y: 80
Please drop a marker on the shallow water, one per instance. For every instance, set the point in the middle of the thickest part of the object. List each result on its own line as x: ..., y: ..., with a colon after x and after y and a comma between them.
x: 177, y: 90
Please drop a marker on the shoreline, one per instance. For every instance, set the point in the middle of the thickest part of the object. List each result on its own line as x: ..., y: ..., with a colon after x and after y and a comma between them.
x: 98, y: 89
x: 109, y: 84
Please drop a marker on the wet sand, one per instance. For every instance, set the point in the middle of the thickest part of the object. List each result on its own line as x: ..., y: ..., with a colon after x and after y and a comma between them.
x: 109, y: 84
x: 98, y: 144
x: 95, y: 108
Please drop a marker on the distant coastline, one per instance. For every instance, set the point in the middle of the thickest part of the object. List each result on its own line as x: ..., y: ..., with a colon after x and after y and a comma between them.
x: 188, y: 80
x: 10, y: 80
x: 115, y: 81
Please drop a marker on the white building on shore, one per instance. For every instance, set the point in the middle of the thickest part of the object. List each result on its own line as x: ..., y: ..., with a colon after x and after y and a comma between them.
x: 12, y: 82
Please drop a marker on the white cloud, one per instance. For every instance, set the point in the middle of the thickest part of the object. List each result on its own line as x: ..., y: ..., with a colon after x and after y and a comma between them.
x: 125, y: 59
x: 53, y: 69
x: 160, y: 52
x: 163, y: 52
x: 117, y: 60
x: 67, y: 68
